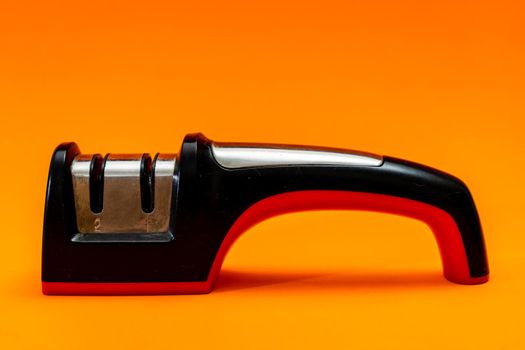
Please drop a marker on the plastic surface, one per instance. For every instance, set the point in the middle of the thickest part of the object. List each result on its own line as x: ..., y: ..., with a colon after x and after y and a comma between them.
x: 214, y: 205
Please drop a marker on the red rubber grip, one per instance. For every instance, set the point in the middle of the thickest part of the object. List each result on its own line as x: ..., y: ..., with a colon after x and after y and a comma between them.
x: 453, y: 256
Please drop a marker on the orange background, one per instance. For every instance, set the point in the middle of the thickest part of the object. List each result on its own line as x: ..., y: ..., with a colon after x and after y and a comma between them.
x: 438, y: 82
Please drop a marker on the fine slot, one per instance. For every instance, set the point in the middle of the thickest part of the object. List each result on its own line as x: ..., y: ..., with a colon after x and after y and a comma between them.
x: 96, y: 183
x: 146, y: 183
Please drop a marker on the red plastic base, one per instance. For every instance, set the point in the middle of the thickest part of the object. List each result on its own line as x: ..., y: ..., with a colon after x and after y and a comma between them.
x: 142, y: 288
x: 454, y: 259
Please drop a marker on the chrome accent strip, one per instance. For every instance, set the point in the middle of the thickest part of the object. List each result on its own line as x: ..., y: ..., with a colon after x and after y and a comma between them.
x: 236, y: 156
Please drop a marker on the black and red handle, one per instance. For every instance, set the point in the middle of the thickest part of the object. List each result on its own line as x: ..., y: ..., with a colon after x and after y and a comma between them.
x: 223, y: 189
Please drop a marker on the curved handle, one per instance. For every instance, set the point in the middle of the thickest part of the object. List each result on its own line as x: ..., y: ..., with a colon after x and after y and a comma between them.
x: 449, y: 238
x: 254, y: 182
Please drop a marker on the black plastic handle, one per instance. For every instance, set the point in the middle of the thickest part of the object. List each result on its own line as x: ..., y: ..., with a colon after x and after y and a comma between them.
x: 233, y: 199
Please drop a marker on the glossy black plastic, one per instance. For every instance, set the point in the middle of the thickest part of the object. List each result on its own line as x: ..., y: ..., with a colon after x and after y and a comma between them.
x: 209, y: 198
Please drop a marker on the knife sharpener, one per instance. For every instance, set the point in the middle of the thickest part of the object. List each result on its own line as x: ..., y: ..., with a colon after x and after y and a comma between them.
x: 133, y: 224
